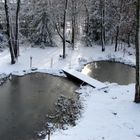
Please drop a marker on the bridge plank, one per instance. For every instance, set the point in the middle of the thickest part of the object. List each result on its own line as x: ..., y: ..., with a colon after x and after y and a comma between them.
x: 85, y: 78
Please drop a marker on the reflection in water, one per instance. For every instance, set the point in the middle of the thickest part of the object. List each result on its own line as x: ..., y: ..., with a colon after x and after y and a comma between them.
x: 111, y: 72
x: 87, y: 71
x: 24, y: 102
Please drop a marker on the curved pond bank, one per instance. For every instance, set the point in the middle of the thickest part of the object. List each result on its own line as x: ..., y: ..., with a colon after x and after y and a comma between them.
x: 112, y: 72
x: 25, y: 101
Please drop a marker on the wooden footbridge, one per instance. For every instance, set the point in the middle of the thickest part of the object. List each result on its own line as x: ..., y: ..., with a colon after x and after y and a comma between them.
x: 84, y: 78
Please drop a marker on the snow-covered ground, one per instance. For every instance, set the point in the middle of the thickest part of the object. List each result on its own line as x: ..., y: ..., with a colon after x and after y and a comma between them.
x: 109, y: 115
x: 49, y: 57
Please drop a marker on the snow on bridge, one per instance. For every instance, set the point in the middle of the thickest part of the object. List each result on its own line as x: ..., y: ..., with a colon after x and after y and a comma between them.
x: 86, y: 79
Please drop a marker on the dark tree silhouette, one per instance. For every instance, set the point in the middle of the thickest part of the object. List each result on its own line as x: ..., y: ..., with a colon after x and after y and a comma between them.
x: 137, y: 86
x: 12, y: 36
x: 9, y: 33
x: 16, y: 50
x: 64, y: 29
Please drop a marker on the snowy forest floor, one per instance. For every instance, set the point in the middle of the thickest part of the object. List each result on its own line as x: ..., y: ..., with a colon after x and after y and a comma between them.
x: 110, y: 115
x: 41, y: 58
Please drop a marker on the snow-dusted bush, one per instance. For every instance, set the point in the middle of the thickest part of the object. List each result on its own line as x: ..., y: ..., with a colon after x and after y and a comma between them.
x: 4, y: 78
x: 67, y: 112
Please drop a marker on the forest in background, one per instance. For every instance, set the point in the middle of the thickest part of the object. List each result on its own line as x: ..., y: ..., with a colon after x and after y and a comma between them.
x: 97, y: 21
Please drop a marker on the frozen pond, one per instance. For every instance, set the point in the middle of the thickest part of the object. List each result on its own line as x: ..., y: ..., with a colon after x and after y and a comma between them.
x: 111, y: 72
x: 24, y: 102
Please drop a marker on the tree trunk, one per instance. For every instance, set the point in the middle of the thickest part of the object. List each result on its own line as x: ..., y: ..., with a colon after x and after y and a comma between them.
x: 102, y: 25
x: 73, y: 23
x: 73, y: 35
x: 61, y: 36
x: 9, y: 33
x: 64, y: 29
x: 116, y: 39
x: 128, y: 40
x: 137, y: 86
x: 16, y: 49
x: 87, y: 20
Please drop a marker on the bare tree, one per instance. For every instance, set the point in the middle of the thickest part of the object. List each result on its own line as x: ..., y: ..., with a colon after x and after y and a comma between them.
x: 12, y: 30
x: 9, y: 33
x: 116, y: 38
x: 16, y: 50
x: 86, y: 18
x: 73, y: 22
x: 137, y: 86
x: 102, y: 3
x: 64, y: 28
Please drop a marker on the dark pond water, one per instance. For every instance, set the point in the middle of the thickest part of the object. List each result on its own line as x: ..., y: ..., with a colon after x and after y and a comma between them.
x: 110, y: 72
x: 24, y: 102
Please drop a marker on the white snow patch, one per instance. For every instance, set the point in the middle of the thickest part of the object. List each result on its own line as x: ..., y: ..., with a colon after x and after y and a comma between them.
x: 49, y: 58
x: 109, y: 116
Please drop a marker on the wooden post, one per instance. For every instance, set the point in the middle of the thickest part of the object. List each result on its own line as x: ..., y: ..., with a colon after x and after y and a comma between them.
x: 124, y: 51
x: 70, y: 64
x: 49, y: 135
x: 51, y: 62
x: 31, y: 61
